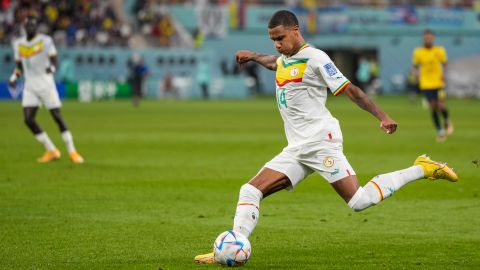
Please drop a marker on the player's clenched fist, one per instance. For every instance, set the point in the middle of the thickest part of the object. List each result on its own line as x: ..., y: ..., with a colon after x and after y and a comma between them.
x: 244, y: 56
x: 388, y: 125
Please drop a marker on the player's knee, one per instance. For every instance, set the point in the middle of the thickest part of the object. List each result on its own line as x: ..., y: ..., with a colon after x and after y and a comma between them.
x: 360, y: 200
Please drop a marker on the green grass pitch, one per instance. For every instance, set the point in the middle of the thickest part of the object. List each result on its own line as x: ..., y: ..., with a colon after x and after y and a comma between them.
x: 161, y: 181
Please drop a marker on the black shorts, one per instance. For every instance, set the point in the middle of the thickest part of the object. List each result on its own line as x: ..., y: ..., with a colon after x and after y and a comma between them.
x: 431, y: 94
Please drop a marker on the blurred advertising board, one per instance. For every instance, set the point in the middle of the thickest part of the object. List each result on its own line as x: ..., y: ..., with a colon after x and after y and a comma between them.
x: 87, y: 90
x: 344, y: 19
x: 7, y: 92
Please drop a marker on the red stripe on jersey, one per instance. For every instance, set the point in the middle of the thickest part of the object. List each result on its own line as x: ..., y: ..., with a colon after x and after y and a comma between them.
x: 287, y: 81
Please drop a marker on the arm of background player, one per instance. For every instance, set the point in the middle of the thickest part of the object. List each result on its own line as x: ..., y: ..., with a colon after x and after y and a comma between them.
x: 16, y: 74
x: 19, y: 66
x: 53, y: 64
x: 444, y: 71
x: 415, y: 64
x: 268, y: 61
x: 416, y: 72
x: 364, y: 102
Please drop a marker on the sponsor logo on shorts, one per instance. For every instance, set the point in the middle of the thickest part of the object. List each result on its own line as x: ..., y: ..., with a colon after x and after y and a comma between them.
x: 334, y: 172
x: 328, y: 162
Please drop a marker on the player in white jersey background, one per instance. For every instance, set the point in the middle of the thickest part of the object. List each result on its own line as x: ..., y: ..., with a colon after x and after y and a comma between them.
x: 36, y: 60
x: 315, y: 144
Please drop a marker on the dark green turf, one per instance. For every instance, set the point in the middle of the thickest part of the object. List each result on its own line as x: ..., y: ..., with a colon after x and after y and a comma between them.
x: 161, y: 181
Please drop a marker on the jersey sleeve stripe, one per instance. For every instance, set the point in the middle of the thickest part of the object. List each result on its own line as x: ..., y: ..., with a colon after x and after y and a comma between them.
x: 341, y: 88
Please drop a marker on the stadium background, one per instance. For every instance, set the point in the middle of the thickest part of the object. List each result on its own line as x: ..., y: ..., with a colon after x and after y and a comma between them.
x: 96, y: 39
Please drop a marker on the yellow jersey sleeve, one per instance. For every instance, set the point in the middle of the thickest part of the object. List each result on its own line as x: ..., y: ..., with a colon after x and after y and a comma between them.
x: 416, y: 57
x: 442, y: 55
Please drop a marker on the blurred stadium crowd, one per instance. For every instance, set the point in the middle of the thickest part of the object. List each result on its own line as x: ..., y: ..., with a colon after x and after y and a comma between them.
x: 88, y: 22
x: 147, y: 22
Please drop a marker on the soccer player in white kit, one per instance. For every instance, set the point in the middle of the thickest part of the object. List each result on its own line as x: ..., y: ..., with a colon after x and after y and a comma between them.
x: 36, y: 59
x: 303, y: 76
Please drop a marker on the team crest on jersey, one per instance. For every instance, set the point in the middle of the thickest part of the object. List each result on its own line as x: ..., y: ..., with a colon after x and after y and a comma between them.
x: 328, y: 162
x: 330, y: 69
x: 294, y: 71
x: 290, y: 72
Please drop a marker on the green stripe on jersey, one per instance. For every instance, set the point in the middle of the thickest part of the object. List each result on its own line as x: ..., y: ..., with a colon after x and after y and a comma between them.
x: 294, y: 62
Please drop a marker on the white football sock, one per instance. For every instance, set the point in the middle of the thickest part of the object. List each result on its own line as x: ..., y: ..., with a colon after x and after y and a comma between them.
x: 68, y: 139
x: 45, y: 140
x: 383, y: 186
x: 247, y: 214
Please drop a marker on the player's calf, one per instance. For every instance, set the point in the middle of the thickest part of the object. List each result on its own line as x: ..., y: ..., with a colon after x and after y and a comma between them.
x: 32, y: 125
x: 383, y: 186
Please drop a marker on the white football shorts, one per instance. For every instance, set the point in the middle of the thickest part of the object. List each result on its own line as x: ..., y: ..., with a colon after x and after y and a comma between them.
x: 329, y: 162
x: 47, y: 97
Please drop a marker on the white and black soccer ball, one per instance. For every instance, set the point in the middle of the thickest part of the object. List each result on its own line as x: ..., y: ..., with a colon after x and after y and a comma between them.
x: 231, y: 249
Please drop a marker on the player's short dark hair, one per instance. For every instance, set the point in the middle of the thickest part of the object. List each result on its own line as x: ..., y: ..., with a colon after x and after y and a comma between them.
x: 428, y: 31
x: 283, y: 17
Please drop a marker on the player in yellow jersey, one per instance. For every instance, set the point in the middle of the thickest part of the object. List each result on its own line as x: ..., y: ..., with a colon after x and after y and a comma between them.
x: 304, y: 75
x: 36, y: 59
x: 430, y: 63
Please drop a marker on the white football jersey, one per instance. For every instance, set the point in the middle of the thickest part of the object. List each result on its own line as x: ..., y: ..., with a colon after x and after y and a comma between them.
x: 34, y: 55
x: 302, y: 81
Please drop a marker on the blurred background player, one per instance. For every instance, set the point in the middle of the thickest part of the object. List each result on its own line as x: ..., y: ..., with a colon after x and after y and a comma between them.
x: 138, y: 71
x: 36, y: 60
x: 204, y: 78
x: 430, y: 64
x: 315, y: 143
x: 412, y: 85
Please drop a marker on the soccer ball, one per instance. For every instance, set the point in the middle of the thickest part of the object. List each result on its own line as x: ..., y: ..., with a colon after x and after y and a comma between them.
x: 231, y: 249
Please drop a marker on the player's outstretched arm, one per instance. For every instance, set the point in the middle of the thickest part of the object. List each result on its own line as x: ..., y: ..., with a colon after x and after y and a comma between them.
x: 363, y: 101
x: 268, y: 61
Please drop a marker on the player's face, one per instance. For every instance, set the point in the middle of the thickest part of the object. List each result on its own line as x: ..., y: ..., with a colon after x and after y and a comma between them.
x: 285, y: 38
x: 31, y: 27
x: 428, y: 39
